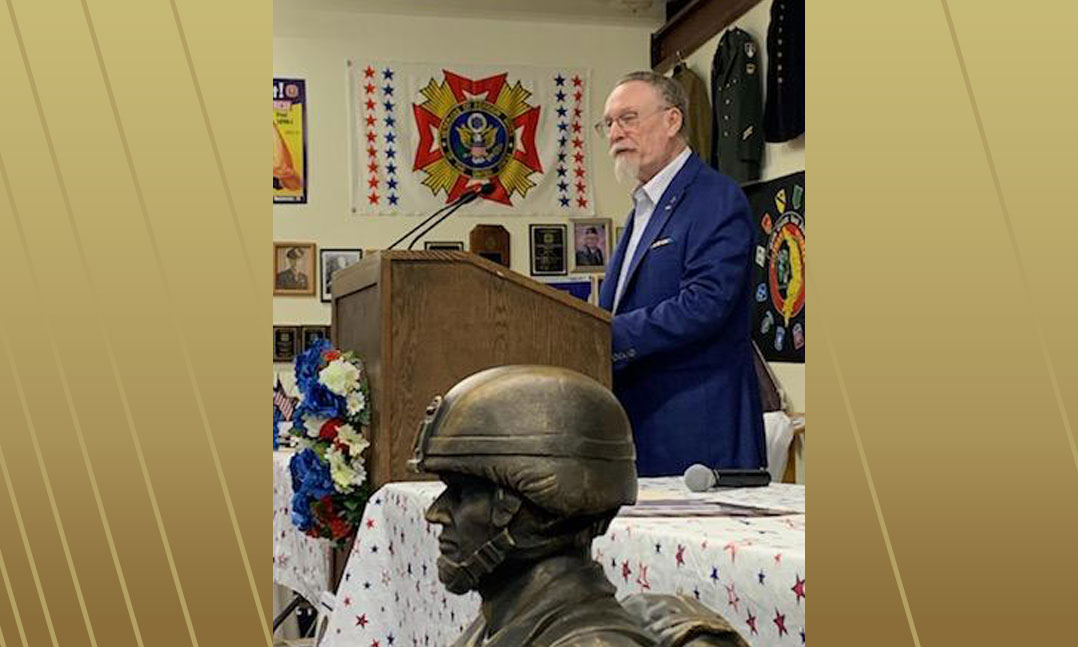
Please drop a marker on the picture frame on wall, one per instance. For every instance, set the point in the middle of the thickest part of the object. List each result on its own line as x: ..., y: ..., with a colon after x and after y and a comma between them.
x: 310, y: 334
x: 293, y: 269
x: 285, y: 343
x: 444, y: 245
x: 549, y: 251
x: 334, y: 260
x: 591, y: 243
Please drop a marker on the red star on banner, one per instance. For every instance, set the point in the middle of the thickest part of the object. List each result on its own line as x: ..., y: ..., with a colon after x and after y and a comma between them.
x: 580, y: 186
x: 361, y: 621
x: 577, y: 81
x: 625, y: 571
x: 375, y: 643
x: 370, y: 104
x: 577, y: 112
x: 369, y: 88
x: 373, y: 182
x: 373, y: 197
x: 780, y: 622
x: 371, y: 136
x: 370, y: 523
x: 369, y: 72
x: 799, y: 588
x: 582, y: 202
x: 751, y: 622
x: 732, y: 547
x: 371, y: 152
x: 373, y: 166
x: 347, y: 601
x: 578, y: 157
x: 778, y: 557
x: 370, y: 121
x: 576, y: 127
x: 577, y: 142
x: 577, y: 95
x: 579, y: 171
x: 680, y: 555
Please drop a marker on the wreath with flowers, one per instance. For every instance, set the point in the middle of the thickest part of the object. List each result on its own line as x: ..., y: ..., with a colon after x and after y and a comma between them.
x: 329, y: 475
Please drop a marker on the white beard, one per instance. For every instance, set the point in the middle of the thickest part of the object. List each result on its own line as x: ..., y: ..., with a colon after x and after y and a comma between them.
x: 627, y: 169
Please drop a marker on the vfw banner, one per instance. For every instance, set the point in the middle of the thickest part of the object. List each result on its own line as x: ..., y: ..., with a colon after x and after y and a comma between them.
x: 426, y: 134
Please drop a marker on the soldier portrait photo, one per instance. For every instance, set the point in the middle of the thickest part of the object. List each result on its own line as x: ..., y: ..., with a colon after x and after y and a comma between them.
x: 293, y: 269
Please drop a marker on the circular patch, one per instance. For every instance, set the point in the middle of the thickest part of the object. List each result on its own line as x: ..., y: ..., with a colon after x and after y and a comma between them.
x: 786, y: 269
x: 476, y: 138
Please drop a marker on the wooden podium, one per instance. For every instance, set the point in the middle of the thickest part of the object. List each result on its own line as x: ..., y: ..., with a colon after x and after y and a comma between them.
x: 422, y: 321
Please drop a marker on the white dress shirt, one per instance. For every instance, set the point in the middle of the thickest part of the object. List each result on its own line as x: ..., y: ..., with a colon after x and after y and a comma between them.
x: 645, y: 198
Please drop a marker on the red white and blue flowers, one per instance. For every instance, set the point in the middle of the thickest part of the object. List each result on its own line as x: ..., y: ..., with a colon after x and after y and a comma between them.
x: 329, y: 476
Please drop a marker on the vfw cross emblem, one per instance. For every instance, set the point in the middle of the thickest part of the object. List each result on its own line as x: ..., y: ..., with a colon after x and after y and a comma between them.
x: 476, y: 131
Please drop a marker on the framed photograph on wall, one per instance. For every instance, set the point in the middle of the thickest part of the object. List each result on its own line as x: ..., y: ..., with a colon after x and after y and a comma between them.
x: 591, y: 243
x: 310, y: 334
x: 548, y: 250
x: 293, y: 269
x: 333, y: 260
x: 444, y: 245
x: 285, y: 343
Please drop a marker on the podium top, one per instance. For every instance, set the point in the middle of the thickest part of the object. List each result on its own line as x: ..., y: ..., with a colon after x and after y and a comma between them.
x: 369, y: 271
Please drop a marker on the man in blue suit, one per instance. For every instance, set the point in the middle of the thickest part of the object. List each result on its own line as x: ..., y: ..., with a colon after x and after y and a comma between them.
x: 678, y: 285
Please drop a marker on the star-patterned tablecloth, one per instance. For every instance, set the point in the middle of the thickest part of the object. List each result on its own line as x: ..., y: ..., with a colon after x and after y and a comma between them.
x: 747, y: 567
x: 300, y: 562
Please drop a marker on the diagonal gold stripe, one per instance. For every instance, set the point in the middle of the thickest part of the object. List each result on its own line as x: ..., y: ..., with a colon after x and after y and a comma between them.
x: 11, y: 593
x: 871, y: 485
x: 26, y: 546
x: 72, y: 411
x: 1011, y: 237
x: 216, y: 157
x: 109, y: 352
x: 168, y: 292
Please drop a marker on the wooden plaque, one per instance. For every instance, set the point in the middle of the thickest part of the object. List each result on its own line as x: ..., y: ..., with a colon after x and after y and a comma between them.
x: 491, y: 242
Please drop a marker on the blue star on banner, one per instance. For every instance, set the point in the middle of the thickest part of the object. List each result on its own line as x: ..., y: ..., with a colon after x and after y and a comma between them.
x: 388, y: 74
x: 560, y: 80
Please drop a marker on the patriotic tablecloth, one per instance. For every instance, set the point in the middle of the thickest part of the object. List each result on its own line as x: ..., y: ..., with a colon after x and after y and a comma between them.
x: 300, y: 562
x: 750, y: 569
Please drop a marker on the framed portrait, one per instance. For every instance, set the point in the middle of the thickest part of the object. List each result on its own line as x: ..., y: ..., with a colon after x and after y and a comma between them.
x: 591, y: 243
x: 285, y: 343
x: 310, y: 334
x: 548, y: 250
x: 333, y: 260
x: 444, y: 245
x: 293, y: 269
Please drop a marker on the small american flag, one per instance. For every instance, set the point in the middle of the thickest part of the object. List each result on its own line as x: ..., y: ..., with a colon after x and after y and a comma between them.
x: 284, y: 404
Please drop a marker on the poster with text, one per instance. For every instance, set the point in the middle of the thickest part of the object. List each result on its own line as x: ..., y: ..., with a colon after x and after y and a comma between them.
x: 290, y: 141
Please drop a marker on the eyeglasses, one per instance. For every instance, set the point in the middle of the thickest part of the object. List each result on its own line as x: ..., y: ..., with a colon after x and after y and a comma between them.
x: 628, y: 121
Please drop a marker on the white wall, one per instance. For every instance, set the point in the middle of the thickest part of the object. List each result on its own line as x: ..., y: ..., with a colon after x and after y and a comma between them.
x: 779, y: 159
x: 314, y: 45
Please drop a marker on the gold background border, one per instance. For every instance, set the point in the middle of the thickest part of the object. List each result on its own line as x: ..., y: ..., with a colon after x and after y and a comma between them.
x: 135, y: 321
x: 134, y: 330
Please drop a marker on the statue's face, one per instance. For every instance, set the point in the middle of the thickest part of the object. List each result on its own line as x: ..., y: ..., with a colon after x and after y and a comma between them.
x: 464, y: 511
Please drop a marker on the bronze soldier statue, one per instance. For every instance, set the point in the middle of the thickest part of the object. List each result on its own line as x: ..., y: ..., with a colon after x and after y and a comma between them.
x: 537, y: 460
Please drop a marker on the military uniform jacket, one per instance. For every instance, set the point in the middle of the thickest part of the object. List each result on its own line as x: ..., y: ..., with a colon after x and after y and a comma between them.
x: 784, y: 118
x: 700, y: 115
x: 567, y: 602
x: 737, y: 96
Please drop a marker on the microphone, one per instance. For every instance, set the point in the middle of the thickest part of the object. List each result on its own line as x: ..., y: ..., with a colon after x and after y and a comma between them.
x: 471, y: 196
x: 463, y: 198
x: 700, y: 478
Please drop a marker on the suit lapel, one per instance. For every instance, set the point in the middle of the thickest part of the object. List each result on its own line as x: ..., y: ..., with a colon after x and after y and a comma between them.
x: 668, y: 203
x: 610, y: 281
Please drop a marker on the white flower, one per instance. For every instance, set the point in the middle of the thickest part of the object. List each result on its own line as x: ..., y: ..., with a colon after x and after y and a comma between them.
x: 313, y: 425
x: 339, y: 376
x: 356, y: 402
x: 345, y: 476
x: 349, y: 436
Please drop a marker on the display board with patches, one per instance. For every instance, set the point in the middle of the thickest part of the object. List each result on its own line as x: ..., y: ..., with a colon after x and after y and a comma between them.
x: 425, y: 134
x: 778, y: 277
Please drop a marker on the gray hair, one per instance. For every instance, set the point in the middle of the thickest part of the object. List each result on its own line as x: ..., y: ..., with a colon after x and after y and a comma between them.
x: 672, y: 93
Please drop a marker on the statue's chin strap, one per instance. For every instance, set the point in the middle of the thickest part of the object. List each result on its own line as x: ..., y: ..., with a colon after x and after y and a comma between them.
x: 465, y: 575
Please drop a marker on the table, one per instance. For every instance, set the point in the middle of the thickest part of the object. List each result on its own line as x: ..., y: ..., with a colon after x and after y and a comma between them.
x: 300, y: 563
x: 749, y: 569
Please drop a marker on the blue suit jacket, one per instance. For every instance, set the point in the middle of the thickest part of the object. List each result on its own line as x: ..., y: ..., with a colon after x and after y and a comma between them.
x: 683, y: 366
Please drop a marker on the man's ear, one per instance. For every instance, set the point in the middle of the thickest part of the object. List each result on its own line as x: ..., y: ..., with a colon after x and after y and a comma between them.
x: 674, y: 122
x: 506, y: 505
